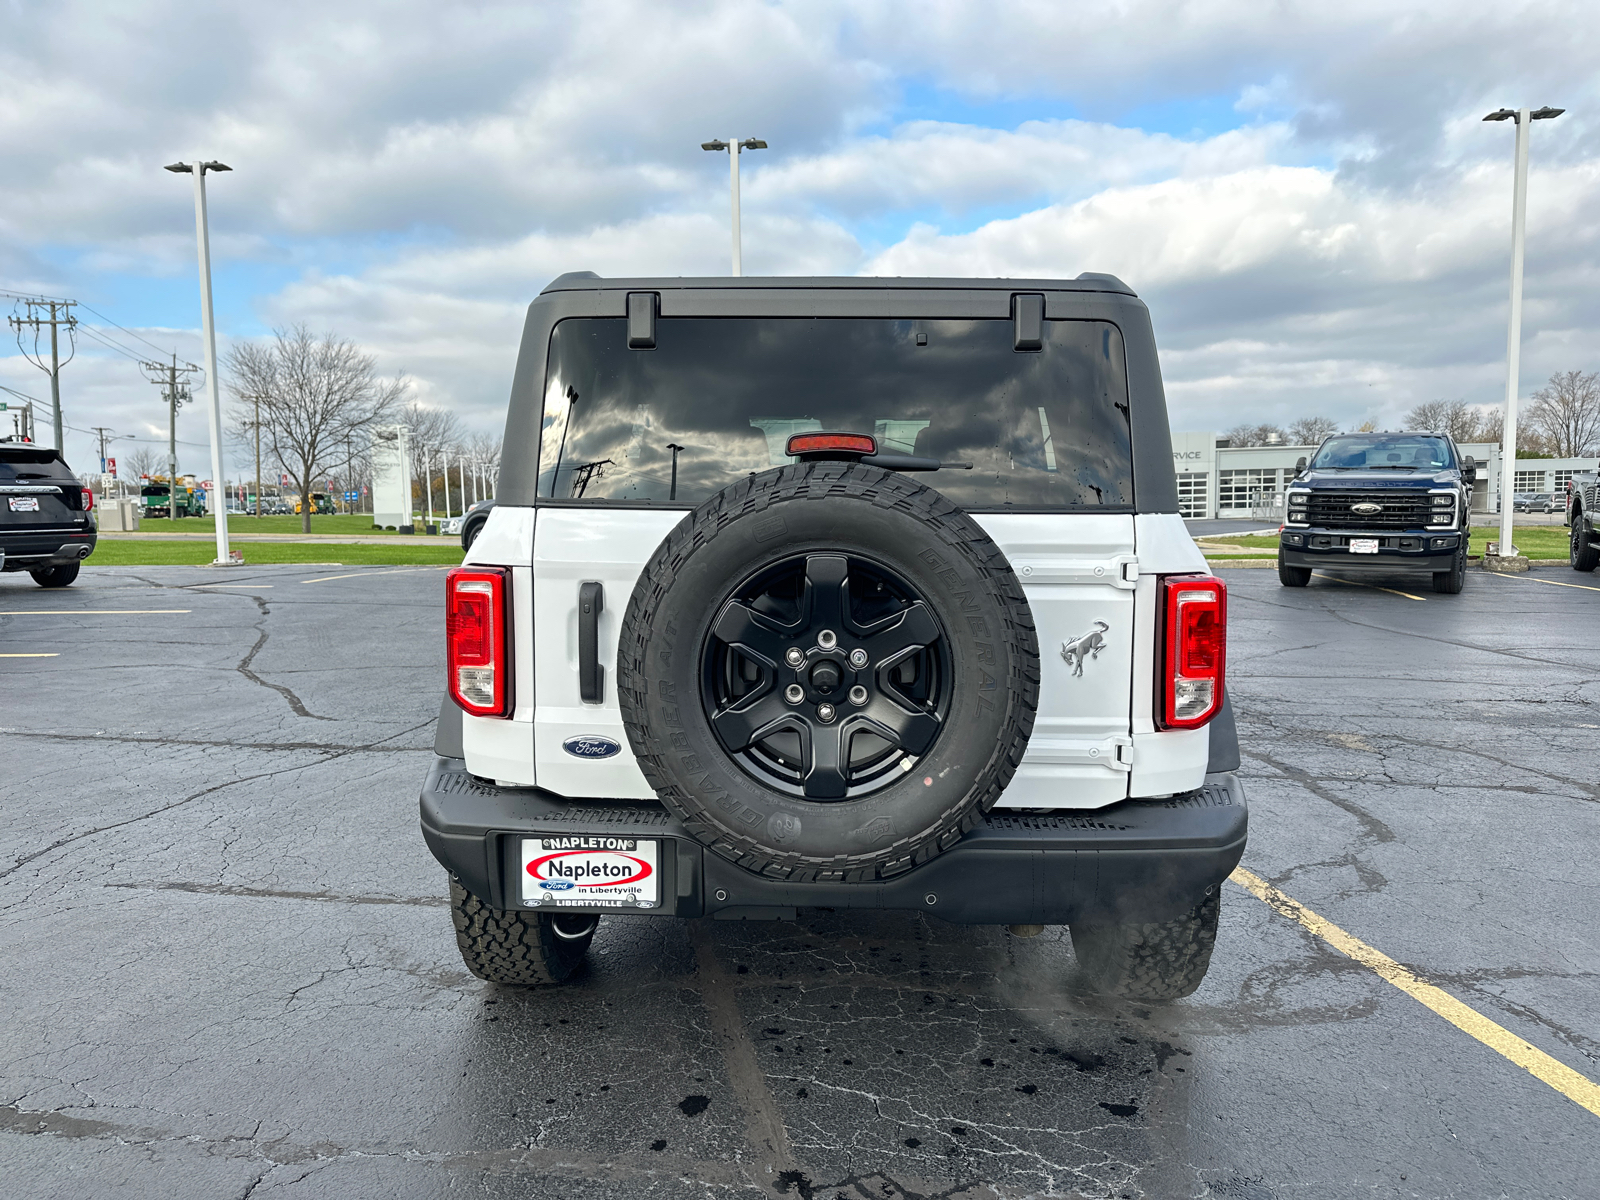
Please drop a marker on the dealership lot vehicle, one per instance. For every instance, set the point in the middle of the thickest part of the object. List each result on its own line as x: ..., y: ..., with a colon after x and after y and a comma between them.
x: 470, y: 524
x: 46, y: 515
x: 1584, y: 540
x: 869, y: 609
x: 1534, y: 502
x: 1384, y: 502
x: 230, y: 970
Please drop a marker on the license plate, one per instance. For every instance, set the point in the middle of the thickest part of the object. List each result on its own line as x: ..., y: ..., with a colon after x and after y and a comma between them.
x: 571, y: 871
x: 24, y: 504
x: 1363, y: 545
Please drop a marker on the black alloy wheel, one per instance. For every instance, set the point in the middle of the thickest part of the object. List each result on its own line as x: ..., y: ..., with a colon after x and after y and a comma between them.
x: 826, y: 676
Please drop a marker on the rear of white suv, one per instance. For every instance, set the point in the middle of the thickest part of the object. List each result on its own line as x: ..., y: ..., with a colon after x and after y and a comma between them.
x: 844, y: 593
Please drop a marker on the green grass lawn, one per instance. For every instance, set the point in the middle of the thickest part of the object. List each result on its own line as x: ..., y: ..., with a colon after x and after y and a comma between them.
x: 1536, y: 541
x: 112, y: 552
x: 357, y: 523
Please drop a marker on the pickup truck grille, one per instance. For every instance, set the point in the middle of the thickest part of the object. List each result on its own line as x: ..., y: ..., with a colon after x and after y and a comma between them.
x: 1401, y: 510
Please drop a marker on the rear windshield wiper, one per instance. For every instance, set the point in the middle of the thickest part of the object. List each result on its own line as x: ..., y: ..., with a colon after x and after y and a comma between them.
x: 908, y: 462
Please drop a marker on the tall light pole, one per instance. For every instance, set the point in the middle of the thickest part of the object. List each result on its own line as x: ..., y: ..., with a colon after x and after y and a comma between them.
x: 1519, y: 220
x: 733, y: 146
x: 202, y: 234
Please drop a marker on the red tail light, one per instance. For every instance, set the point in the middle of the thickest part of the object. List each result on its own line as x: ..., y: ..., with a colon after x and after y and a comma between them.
x: 849, y: 443
x: 88, y: 500
x: 1194, y: 641
x: 477, y: 635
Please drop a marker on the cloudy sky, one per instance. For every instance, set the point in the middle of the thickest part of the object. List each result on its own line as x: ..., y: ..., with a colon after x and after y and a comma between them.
x: 1304, y: 193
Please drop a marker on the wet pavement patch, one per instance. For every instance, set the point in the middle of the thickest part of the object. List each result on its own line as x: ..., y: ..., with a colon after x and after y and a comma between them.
x: 231, y: 972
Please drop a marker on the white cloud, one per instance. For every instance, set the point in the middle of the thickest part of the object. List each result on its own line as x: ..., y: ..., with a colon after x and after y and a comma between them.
x: 410, y: 175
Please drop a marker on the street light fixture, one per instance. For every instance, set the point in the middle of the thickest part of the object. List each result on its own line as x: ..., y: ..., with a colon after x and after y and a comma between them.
x: 1519, y: 219
x: 734, y: 146
x: 202, y: 234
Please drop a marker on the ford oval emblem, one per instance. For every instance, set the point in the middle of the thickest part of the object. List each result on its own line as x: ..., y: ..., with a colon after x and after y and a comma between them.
x: 591, y: 745
x: 1367, y: 509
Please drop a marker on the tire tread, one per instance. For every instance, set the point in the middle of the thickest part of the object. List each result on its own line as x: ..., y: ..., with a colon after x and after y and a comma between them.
x: 944, y: 520
x: 517, y: 948
x: 1154, y: 961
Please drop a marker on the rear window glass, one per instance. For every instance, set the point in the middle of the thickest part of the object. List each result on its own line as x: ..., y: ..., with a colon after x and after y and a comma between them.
x: 719, y: 397
x: 26, y: 462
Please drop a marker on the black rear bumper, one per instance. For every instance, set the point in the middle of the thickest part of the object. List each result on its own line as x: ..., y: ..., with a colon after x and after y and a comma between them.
x: 1141, y: 860
x: 26, y: 549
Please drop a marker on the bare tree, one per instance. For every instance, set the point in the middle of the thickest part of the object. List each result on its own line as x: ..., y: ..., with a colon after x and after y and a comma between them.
x: 1462, y: 421
x: 1566, y: 411
x: 433, y: 431
x: 319, y: 397
x: 484, y: 448
x: 1308, y: 431
x: 142, y: 460
x: 1256, y: 435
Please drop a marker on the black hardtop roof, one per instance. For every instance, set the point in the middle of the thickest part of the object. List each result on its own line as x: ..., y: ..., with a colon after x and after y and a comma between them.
x: 583, y: 281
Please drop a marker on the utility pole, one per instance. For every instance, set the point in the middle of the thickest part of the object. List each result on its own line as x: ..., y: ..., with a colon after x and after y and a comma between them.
x: 100, y: 432
x: 734, y: 146
x: 175, y: 394
x: 1519, y: 220
x: 256, y: 426
x: 56, y: 320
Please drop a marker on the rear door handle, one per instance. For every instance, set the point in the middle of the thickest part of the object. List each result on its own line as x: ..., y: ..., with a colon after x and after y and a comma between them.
x: 591, y: 675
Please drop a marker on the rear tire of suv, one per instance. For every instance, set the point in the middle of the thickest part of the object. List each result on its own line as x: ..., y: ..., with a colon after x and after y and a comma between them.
x: 1583, y: 554
x: 1292, y: 576
x: 1153, y: 961
x: 523, y: 949
x: 765, y: 591
x: 1452, y: 581
x: 55, y: 576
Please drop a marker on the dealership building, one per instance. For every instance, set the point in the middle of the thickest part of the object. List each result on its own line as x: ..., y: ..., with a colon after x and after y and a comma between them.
x: 1219, y: 480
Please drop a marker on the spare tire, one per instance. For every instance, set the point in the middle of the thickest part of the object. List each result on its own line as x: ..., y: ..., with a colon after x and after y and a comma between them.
x: 828, y: 672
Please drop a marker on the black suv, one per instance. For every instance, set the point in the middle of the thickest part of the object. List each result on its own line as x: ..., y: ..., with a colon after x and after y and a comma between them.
x: 1379, y: 502
x: 45, y: 523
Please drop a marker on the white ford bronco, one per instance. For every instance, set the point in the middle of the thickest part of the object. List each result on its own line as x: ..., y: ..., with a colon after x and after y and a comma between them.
x: 856, y: 593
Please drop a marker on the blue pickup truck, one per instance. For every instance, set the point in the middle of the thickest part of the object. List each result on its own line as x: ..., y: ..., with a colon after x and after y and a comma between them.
x: 1389, y: 502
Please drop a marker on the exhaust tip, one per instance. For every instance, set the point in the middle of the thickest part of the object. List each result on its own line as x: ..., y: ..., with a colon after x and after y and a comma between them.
x: 83, y: 551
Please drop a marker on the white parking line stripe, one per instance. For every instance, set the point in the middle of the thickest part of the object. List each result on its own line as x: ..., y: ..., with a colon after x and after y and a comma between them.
x: 1588, y: 587
x: 361, y: 574
x: 86, y: 612
x: 52, y: 655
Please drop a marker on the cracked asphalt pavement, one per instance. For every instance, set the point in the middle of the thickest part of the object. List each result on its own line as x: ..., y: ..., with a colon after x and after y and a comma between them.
x: 230, y: 970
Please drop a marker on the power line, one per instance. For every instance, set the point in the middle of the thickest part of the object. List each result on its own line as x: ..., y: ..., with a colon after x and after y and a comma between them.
x: 97, y: 335
x: 129, y: 332
x: 55, y: 322
x: 47, y: 299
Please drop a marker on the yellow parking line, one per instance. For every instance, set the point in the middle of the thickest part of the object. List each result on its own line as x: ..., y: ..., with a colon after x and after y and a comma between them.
x: 52, y: 655
x: 360, y: 574
x: 86, y: 612
x: 1588, y: 587
x: 1373, y: 586
x: 1575, y: 1087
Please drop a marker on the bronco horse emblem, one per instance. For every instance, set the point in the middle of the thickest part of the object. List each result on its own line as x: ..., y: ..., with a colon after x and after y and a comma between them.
x: 1087, y: 645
